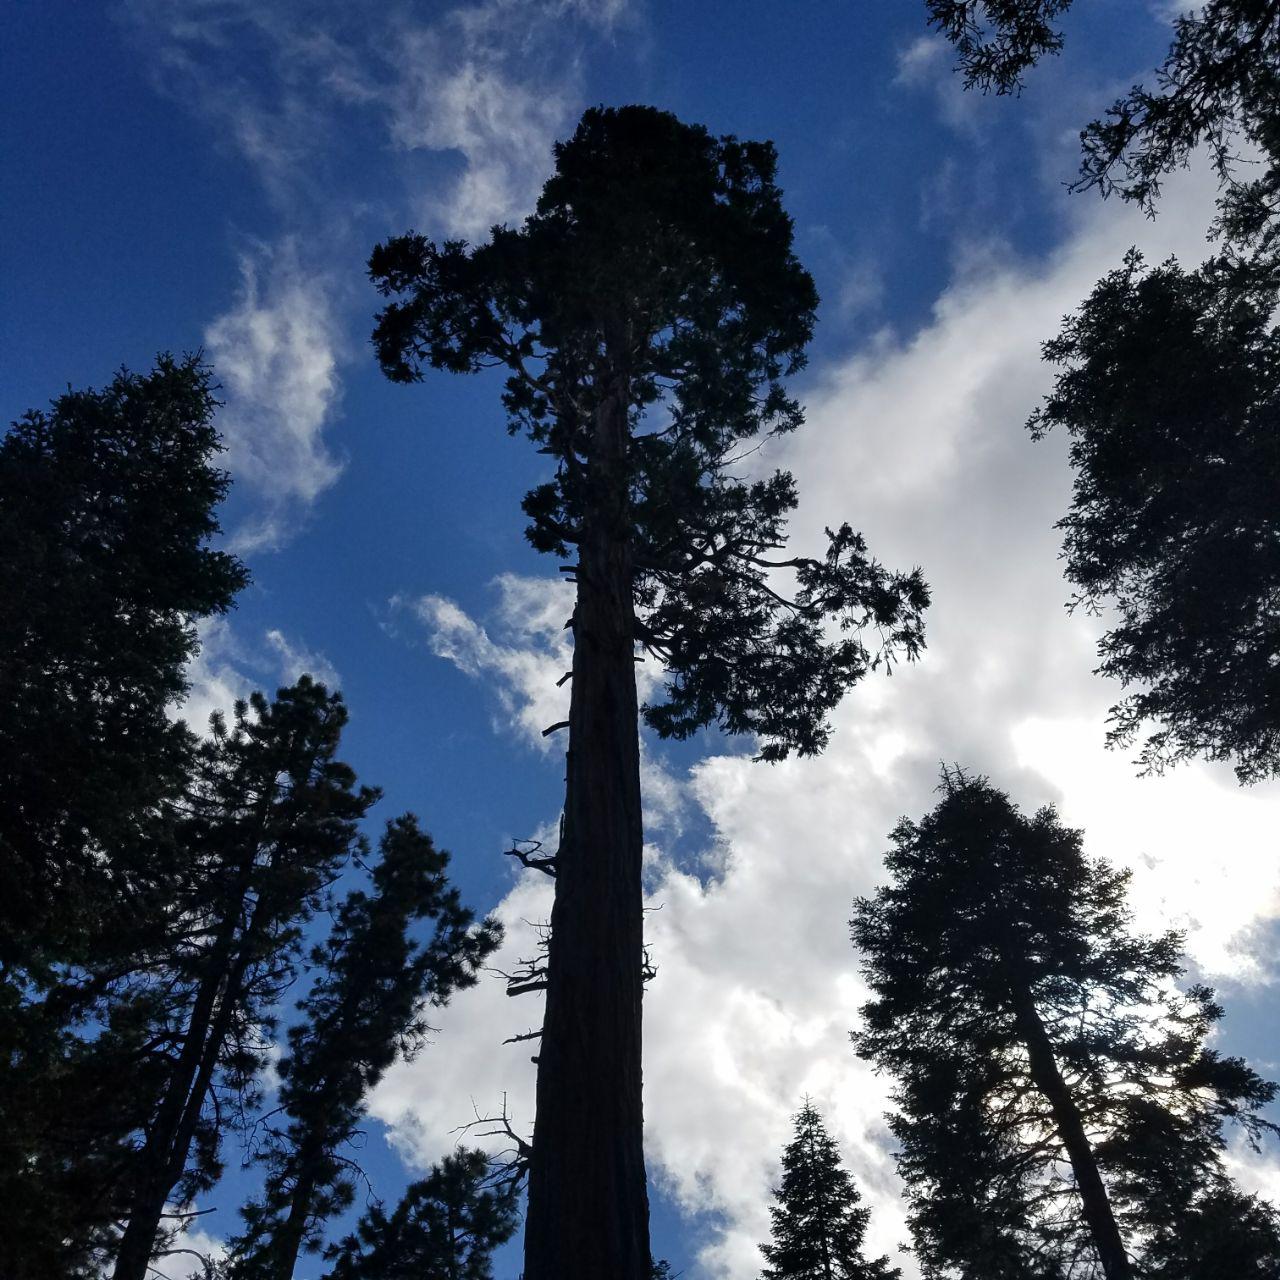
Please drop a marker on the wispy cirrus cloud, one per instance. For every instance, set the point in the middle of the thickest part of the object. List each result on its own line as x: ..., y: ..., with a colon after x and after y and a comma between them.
x: 471, y: 96
x: 275, y: 354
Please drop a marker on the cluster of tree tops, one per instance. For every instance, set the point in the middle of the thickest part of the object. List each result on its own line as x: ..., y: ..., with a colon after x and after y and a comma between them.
x: 646, y: 315
x: 160, y: 889
x: 1059, y: 1110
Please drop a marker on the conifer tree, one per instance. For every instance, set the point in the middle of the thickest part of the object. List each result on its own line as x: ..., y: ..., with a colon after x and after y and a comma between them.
x: 1059, y: 1110
x: 1170, y: 385
x: 818, y: 1221
x: 645, y: 314
x: 366, y: 1007
x: 1169, y: 392
x: 273, y: 816
x: 107, y: 509
x: 445, y: 1227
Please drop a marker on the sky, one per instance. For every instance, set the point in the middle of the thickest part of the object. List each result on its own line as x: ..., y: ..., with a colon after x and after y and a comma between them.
x: 211, y: 175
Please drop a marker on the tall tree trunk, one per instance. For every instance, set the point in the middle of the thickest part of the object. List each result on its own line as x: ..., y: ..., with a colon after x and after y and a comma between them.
x: 588, y: 1215
x: 1048, y: 1079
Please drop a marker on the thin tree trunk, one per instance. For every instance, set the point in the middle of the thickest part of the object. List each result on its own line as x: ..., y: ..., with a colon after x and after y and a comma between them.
x: 288, y: 1243
x: 588, y: 1215
x: 155, y: 1179
x: 1048, y: 1079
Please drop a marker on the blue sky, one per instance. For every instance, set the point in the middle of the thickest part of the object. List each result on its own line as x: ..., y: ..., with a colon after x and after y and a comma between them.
x: 186, y: 174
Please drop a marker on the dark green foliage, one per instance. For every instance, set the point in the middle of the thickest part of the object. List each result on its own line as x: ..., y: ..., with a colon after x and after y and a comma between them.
x: 365, y: 1008
x: 1171, y: 389
x: 1225, y: 1236
x: 107, y: 507
x: 659, y: 263
x: 445, y: 1228
x: 106, y: 511
x: 996, y: 930
x: 998, y: 40
x: 818, y: 1220
x: 1170, y: 393
x: 272, y: 817
x: 645, y: 315
x: 1218, y: 87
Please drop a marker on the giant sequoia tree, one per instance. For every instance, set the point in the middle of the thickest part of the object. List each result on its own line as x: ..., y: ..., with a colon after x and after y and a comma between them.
x: 1060, y: 1114
x: 819, y: 1223
x: 645, y: 315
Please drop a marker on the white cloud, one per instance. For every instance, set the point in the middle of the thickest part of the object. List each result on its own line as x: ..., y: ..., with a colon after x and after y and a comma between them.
x: 275, y: 357
x: 227, y: 668
x: 215, y: 677
x: 923, y: 60
x: 496, y: 84
x: 522, y: 667
x: 502, y: 129
x: 188, y: 1253
x: 928, y: 64
x: 295, y: 661
x: 919, y: 442
x: 493, y: 82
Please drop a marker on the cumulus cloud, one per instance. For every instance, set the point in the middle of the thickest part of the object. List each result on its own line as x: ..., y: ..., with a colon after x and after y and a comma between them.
x: 275, y: 356
x: 918, y: 440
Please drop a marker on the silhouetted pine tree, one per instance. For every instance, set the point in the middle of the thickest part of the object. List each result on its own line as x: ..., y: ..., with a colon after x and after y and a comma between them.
x: 106, y: 511
x: 107, y: 508
x: 646, y: 314
x: 445, y: 1227
x: 1215, y: 90
x: 1170, y: 387
x: 1058, y: 1109
x: 818, y: 1221
x: 366, y: 1007
x: 272, y: 818
x: 1170, y: 394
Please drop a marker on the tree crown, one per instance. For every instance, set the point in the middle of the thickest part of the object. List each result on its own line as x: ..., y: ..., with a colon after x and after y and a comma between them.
x: 657, y: 271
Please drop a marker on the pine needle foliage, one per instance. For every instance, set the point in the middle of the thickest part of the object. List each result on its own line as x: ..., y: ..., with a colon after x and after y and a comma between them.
x: 819, y: 1222
x: 445, y: 1227
x: 376, y: 975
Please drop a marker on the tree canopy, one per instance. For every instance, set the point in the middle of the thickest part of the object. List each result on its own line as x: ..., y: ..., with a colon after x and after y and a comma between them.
x: 1169, y: 392
x: 107, y: 511
x: 645, y: 315
x: 1059, y: 1106
x: 366, y: 1007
